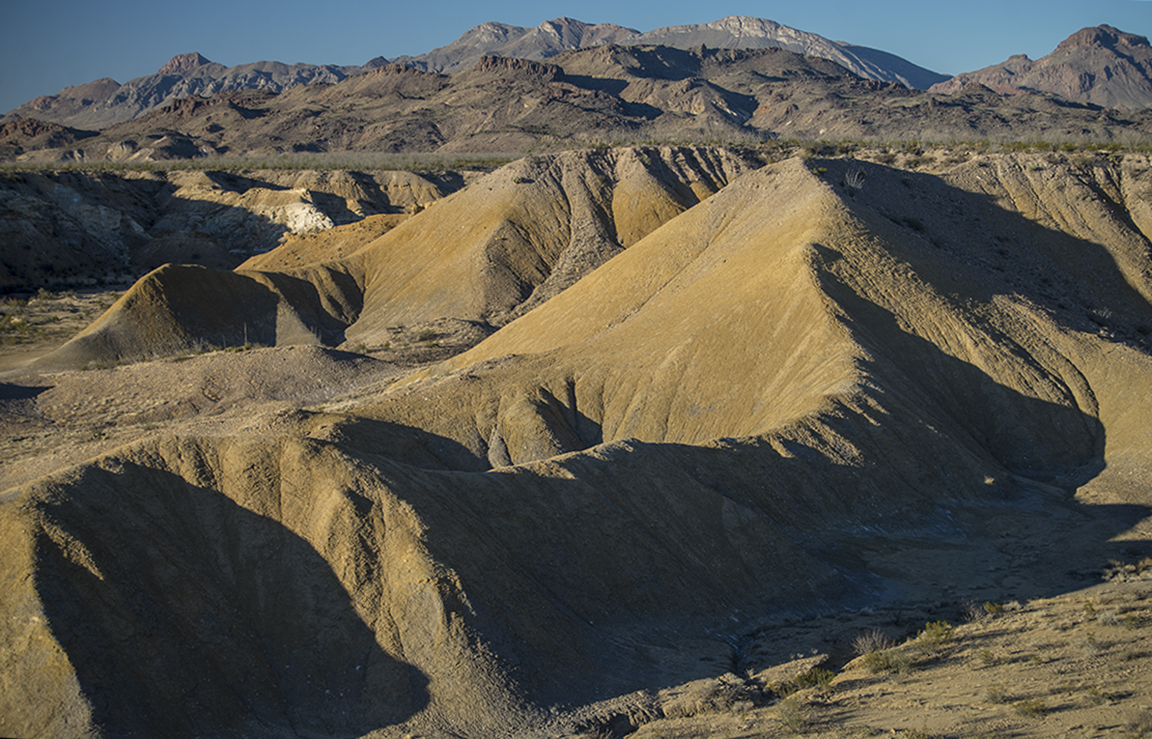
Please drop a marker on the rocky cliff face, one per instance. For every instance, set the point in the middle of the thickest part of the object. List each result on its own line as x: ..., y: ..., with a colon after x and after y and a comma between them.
x: 733, y: 32
x: 1102, y: 66
x: 739, y: 32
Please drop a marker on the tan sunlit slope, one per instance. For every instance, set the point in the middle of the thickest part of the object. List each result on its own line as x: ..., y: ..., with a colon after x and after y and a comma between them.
x: 784, y: 399
x: 502, y: 246
x: 529, y: 230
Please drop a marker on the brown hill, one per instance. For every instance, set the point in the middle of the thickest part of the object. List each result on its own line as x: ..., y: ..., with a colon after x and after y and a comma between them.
x: 1102, y: 65
x: 19, y: 136
x: 828, y: 384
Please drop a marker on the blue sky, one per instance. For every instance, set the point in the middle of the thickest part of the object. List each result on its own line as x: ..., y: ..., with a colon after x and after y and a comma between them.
x: 49, y: 44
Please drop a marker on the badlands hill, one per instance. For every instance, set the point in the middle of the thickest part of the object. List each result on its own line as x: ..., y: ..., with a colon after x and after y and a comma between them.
x: 77, y: 230
x: 494, y: 251
x: 1102, y: 66
x: 590, y: 97
x: 805, y: 387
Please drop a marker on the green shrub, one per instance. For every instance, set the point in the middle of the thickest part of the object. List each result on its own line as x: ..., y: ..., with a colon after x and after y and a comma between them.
x: 1031, y: 707
x: 817, y: 677
x: 996, y: 693
x: 937, y: 634
x: 792, y: 713
x: 887, y: 660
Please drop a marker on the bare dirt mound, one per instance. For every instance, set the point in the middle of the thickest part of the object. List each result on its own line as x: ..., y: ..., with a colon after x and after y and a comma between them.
x: 179, y: 309
x: 829, y: 384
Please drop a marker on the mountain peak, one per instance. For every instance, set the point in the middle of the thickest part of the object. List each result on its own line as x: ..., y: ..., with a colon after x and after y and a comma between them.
x: 1100, y: 65
x: 1101, y: 36
x: 182, y: 63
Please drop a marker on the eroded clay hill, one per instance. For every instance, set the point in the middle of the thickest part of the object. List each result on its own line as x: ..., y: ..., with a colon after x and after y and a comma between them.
x: 497, y: 249
x: 71, y: 229
x: 816, y: 389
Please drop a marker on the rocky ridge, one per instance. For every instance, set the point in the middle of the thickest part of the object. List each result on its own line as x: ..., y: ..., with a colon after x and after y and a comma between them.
x: 105, y: 102
x: 1101, y: 65
x: 102, y: 103
x: 595, y: 96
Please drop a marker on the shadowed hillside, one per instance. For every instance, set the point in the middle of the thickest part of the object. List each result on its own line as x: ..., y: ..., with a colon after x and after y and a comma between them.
x: 829, y: 384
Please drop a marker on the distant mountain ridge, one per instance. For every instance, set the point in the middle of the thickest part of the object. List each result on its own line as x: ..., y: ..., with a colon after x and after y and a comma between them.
x: 1101, y: 65
x: 599, y: 95
x: 103, y: 103
x: 500, y: 39
x: 733, y: 32
x: 741, y: 32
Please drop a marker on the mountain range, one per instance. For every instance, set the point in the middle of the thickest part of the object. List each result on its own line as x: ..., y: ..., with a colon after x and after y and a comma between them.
x: 600, y: 95
x: 734, y: 32
x: 105, y: 102
x: 1103, y: 66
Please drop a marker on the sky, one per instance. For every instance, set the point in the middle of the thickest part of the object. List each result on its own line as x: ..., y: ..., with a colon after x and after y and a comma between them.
x: 50, y: 44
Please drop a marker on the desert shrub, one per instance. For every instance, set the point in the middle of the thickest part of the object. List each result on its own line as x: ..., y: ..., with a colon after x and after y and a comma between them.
x: 937, y: 634
x: 817, y: 677
x: 996, y: 693
x: 792, y: 713
x: 709, y: 696
x: 1089, y: 645
x: 426, y: 335
x: 1031, y: 707
x: 887, y: 660
x: 872, y: 641
x: 1141, y: 726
